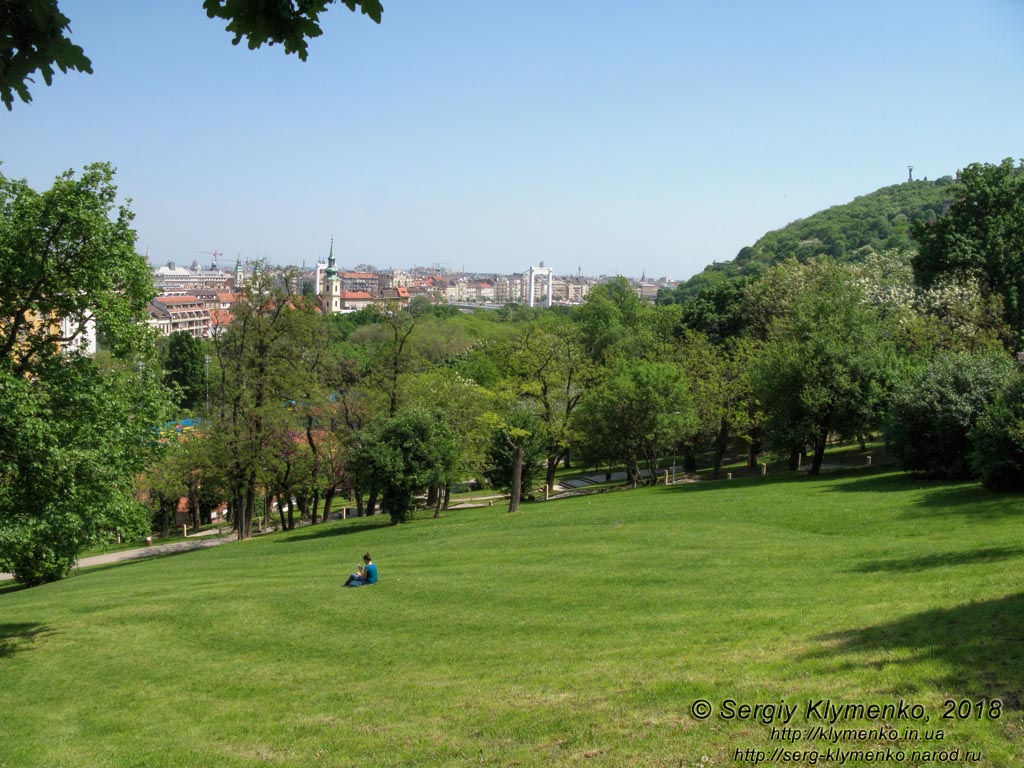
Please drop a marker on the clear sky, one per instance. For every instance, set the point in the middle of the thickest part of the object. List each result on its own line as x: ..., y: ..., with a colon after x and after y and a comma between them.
x: 597, y: 135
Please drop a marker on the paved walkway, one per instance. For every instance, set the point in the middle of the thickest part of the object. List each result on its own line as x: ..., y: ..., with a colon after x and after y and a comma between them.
x: 200, y: 542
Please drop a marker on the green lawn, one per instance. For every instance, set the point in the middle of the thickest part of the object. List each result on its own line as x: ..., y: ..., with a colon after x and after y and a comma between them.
x: 578, y: 632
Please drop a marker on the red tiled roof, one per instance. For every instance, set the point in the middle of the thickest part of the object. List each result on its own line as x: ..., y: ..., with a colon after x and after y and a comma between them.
x: 221, y: 317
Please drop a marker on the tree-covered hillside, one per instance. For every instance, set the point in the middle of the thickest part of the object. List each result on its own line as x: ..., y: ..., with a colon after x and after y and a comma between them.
x: 872, y: 222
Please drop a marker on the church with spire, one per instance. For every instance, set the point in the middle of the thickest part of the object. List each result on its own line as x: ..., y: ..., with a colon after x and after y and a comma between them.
x: 330, y: 293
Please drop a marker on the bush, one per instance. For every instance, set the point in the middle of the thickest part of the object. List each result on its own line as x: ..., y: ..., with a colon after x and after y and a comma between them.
x: 934, y: 409
x: 997, y: 456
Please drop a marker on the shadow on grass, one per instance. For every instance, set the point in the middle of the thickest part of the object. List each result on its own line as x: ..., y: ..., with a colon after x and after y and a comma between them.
x: 941, y: 497
x: 20, y: 637
x: 940, y: 560
x: 342, y: 528
x: 979, y: 643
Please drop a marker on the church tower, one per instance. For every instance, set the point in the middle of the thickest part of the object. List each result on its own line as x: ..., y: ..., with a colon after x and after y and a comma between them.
x: 332, y: 285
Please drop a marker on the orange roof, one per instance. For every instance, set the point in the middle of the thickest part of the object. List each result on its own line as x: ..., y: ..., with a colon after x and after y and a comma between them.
x: 177, y: 300
x: 219, y: 317
x: 359, y: 275
x: 227, y: 296
x: 356, y: 295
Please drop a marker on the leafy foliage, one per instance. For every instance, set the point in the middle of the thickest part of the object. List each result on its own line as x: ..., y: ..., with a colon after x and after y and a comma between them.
x: 32, y: 39
x: 934, y: 408
x: 997, y: 453
x: 290, y: 24
x: 404, y: 455
x: 73, y: 430
x: 981, y: 236
x: 184, y: 369
x: 638, y: 411
x: 826, y: 365
x: 521, y: 431
x: 870, y: 223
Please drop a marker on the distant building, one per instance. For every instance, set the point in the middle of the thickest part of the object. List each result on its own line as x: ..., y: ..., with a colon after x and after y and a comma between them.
x: 170, y: 314
x: 172, y: 277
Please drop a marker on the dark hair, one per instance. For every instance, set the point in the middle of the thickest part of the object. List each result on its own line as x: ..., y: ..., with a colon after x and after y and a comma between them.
x: 367, y: 556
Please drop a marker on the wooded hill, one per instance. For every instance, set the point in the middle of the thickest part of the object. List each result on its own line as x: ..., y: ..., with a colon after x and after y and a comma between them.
x: 872, y: 222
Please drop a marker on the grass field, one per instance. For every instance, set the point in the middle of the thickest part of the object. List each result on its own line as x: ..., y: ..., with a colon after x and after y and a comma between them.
x: 578, y: 632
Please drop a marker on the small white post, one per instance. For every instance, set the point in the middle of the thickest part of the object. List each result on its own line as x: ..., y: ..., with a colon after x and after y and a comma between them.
x: 184, y: 531
x: 764, y: 469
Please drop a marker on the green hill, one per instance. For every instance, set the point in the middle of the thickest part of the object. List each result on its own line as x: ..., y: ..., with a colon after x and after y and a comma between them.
x: 580, y: 632
x: 872, y: 222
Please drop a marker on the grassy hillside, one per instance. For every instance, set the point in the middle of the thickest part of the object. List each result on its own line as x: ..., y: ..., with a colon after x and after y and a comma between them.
x: 580, y: 632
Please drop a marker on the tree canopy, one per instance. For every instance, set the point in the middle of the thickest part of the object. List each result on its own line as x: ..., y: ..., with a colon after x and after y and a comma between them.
x: 981, y: 236
x: 74, y: 429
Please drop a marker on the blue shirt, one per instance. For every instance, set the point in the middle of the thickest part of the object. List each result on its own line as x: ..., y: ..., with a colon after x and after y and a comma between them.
x: 371, y: 573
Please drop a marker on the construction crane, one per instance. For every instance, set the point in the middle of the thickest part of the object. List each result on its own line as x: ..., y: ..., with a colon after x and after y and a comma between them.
x: 216, y: 256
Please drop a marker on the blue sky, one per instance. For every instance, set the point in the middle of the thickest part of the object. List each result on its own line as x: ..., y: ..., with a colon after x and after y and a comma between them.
x: 607, y: 137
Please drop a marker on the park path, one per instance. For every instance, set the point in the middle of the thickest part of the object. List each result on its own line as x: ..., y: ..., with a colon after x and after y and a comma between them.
x: 199, y: 542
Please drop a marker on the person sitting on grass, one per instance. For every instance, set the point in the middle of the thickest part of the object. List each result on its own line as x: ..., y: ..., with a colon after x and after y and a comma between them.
x: 365, y: 573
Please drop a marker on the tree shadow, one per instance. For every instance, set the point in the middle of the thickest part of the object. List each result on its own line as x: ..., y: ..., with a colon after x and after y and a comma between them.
x: 7, y: 586
x: 979, y: 643
x: 21, y: 637
x: 356, y: 525
x: 940, y: 560
x: 877, y: 480
x: 941, y: 497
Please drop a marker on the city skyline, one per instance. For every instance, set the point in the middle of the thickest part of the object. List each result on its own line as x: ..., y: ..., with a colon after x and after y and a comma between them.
x: 486, y: 138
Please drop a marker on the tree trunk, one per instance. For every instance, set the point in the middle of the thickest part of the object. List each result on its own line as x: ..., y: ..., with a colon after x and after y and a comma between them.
x: 820, y: 442
x: 516, y: 491
x: 328, y: 502
x: 689, y: 459
x: 371, y: 503
x: 721, y: 441
x: 794, y: 460
x: 754, y: 448
x: 549, y: 478
x: 280, y: 514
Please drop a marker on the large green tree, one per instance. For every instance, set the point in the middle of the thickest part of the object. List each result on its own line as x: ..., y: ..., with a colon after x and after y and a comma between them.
x: 404, y: 455
x: 265, y: 359
x: 981, y: 235
x: 184, y: 369
x: 74, y: 430
x: 638, y: 411
x: 827, y: 363
x: 34, y: 34
x: 549, y: 368
x: 936, y: 405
